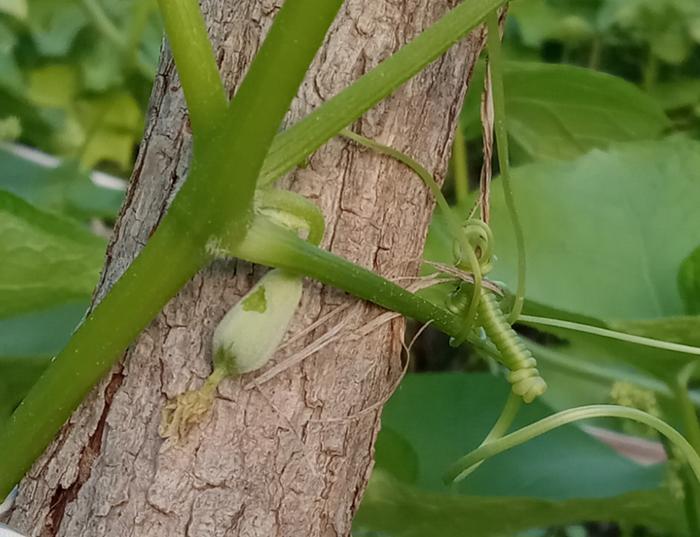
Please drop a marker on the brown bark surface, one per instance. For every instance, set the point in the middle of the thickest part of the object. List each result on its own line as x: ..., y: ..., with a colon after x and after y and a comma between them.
x: 280, y: 458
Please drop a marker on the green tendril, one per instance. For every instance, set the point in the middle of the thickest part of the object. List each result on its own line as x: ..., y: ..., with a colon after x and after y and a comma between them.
x: 566, y: 417
x: 495, y: 67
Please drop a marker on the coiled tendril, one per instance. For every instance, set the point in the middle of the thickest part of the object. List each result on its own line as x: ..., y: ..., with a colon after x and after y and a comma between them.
x: 524, y: 376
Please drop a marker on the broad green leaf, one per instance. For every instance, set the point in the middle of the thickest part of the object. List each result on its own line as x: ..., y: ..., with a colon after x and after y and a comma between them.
x: 442, y: 416
x: 689, y: 282
x: 394, y: 509
x: 46, y: 260
x: 562, y: 111
x: 568, y: 476
x: 582, y: 374
x: 66, y: 190
x: 606, y: 233
x: 40, y: 333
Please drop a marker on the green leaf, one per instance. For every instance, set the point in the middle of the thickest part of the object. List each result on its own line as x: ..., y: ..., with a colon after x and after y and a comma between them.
x: 102, y: 69
x: 66, y: 190
x: 399, y: 510
x: 562, y: 111
x: 564, y: 477
x: 46, y: 259
x: 606, y: 233
x: 689, y: 282
x: 442, y: 416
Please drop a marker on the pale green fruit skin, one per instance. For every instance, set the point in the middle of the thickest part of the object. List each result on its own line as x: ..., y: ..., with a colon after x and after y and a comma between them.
x: 251, y: 331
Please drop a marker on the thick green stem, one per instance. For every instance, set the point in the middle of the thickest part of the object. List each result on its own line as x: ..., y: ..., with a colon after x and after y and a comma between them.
x: 225, y: 168
x: 269, y: 244
x: 304, y: 137
x: 199, y: 75
x: 500, y: 128
x: 95, y: 347
x: 208, y: 203
x: 460, y: 170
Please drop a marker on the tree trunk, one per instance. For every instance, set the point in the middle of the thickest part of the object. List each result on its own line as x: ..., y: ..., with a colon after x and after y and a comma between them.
x: 290, y: 456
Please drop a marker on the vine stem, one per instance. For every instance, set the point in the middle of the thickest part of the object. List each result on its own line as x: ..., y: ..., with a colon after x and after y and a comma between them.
x: 500, y: 128
x: 199, y: 75
x: 455, y: 228
x: 209, y: 204
x: 570, y: 416
x: 269, y: 244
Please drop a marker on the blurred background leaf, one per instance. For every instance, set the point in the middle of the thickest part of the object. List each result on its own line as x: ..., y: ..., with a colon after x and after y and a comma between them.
x: 564, y: 477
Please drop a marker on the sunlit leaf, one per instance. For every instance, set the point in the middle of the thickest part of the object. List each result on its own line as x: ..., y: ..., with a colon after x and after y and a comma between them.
x: 561, y: 111
x: 606, y: 233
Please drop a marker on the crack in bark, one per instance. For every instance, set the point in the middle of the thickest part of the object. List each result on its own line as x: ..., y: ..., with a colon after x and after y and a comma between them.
x: 63, y: 497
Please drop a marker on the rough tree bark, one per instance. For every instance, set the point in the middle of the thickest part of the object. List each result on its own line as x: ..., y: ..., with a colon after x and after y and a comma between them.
x: 278, y: 459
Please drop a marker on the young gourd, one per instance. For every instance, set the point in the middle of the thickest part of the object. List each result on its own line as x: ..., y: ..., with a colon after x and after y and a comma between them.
x: 248, y: 335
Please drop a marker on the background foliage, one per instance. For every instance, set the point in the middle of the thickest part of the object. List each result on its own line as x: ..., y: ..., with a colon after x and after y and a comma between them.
x: 603, y: 104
